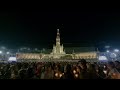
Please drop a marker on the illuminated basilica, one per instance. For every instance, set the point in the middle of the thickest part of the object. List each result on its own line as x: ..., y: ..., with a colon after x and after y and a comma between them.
x: 58, y: 50
x: 60, y: 53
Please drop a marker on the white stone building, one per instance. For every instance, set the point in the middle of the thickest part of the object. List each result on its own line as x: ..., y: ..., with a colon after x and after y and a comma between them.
x: 58, y: 52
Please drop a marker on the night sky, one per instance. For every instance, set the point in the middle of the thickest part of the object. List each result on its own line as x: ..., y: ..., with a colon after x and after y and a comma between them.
x: 79, y: 27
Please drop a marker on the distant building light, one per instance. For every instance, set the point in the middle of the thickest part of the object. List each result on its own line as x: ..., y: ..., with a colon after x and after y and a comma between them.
x: 12, y: 59
x: 8, y: 52
x: 0, y: 52
x: 102, y: 58
x: 108, y: 51
x: 116, y: 50
x: 113, y: 55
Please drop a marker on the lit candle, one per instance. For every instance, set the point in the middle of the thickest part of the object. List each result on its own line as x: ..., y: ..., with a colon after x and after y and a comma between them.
x: 76, y: 75
x: 74, y: 71
x: 97, y: 70
x: 105, y: 71
x: 60, y: 75
x: 56, y: 74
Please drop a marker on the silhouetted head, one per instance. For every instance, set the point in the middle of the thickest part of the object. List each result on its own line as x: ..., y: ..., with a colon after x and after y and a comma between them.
x: 68, y: 68
x: 82, y: 63
x: 110, y: 65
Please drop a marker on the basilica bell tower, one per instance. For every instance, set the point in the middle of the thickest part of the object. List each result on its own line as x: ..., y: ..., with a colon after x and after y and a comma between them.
x: 58, y: 42
x: 58, y: 48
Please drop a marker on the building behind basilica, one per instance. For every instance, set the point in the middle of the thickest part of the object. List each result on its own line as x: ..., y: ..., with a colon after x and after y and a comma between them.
x: 60, y: 53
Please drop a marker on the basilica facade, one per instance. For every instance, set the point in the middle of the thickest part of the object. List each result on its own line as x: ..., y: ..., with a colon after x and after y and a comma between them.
x: 58, y: 49
x: 60, y: 53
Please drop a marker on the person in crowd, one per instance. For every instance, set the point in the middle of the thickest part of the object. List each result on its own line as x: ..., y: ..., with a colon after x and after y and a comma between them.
x: 7, y: 71
x: 38, y: 70
x: 112, y: 71
x: 88, y: 65
x: 14, y: 75
x: 22, y: 73
x: 76, y: 71
x: 101, y: 73
x: 84, y: 72
x: 68, y: 73
x: 42, y: 73
x: 92, y: 72
x: 30, y: 72
x: 49, y: 73
x: 117, y: 65
x: 57, y: 71
x: 60, y: 70
x: 2, y: 73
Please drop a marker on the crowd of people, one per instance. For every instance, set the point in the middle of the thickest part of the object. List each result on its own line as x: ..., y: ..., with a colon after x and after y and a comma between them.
x: 60, y: 70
